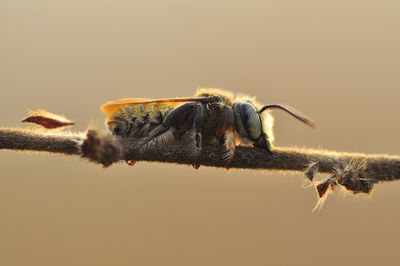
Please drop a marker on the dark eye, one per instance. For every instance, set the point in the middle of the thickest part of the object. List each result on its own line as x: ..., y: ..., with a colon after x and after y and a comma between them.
x: 250, y: 119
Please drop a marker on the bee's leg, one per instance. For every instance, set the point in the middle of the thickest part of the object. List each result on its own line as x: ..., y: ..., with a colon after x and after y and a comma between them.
x: 194, y: 137
x: 225, y: 129
x: 229, y: 144
x: 177, y: 116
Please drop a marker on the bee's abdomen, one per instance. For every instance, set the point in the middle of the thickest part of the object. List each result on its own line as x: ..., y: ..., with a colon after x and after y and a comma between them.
x: 136, y: 121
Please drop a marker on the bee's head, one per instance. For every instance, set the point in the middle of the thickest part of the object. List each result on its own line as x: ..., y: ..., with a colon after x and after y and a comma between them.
x: 248, y: 122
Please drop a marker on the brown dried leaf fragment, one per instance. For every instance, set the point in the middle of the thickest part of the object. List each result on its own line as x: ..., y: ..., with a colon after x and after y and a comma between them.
x: 323, y: 187
x: 312, y: 170
x: 47, y: 119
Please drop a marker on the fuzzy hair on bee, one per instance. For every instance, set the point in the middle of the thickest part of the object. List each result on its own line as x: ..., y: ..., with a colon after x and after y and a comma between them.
x: 211, y: 117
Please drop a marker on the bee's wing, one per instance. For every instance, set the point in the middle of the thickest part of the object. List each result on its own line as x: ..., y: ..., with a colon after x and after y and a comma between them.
x: 112, y: 107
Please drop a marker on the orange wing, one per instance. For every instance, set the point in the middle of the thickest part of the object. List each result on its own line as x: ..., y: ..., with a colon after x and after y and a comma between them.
x: 111, y: 108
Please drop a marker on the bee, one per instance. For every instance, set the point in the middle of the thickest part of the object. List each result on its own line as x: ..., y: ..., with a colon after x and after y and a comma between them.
x: 211, y: 117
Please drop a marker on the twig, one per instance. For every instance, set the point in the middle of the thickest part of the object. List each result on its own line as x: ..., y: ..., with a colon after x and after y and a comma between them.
x: 37, y: 140
x: 107, y: 149
x: 384, y: 167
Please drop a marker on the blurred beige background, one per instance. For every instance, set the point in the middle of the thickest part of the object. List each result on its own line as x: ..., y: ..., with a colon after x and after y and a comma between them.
x: 337, y: 61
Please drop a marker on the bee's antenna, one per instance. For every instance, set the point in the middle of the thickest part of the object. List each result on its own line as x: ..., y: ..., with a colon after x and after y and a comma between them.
x: 295, y: 114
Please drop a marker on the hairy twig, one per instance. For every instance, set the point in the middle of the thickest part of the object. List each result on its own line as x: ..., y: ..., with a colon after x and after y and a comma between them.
x: 382, y: 167
x: 37, y: 140
x: 356, y: 172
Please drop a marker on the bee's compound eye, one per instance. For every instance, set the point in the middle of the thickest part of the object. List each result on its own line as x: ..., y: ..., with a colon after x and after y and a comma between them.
x: 249, y: 118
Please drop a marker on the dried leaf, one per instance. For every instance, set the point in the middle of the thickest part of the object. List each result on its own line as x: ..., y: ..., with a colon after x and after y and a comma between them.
x: 322, y: 188
x: 47, y: 119
x: 312, y: 170
x: 330, y: 183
